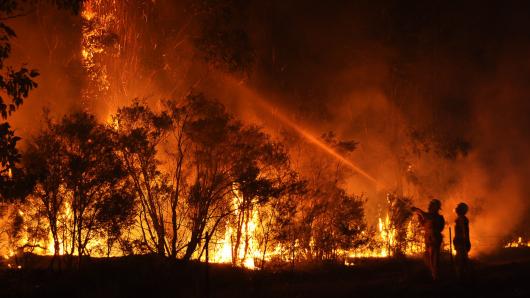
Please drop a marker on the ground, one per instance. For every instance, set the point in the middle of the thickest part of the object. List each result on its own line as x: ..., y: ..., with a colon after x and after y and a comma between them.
x: 505, y: 274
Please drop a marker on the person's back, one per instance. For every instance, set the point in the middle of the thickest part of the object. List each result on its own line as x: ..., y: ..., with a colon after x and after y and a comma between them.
x: 461, y: 240
x: 433, y: 223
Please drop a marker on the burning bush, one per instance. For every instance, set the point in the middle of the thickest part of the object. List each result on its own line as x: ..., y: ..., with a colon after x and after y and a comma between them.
x: 171, y: 182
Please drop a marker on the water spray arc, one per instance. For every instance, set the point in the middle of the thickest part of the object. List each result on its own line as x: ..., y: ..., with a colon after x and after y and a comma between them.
x: 266, y: 106
x: 324, y: 147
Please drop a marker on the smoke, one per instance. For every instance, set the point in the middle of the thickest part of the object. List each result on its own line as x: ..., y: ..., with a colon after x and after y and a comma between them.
x: 434, y: 93
x: 449, y: 79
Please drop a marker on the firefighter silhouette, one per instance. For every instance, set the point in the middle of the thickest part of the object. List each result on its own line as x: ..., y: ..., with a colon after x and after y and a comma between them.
x: 433, y: 224
x: 461, y: 240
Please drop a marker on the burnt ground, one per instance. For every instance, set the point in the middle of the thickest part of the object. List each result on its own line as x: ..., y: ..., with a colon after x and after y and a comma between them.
x: 505, y: 274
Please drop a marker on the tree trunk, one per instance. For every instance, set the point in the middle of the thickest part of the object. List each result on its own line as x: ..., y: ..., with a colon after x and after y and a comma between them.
x: 237, y: 241
x: 161, y: 241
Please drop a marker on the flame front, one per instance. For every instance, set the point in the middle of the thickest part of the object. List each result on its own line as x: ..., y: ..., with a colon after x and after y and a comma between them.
x: 517, y: 243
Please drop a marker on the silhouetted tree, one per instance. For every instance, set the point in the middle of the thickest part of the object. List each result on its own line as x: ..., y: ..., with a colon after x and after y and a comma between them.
x: 44, y: 161
x: 93, y: 173
x: 16, y: 83
x: 323, y: 220
x: 139, y: 133
x: 259, y: 172
x: 226, y: 158
x: 213, y: 154
x: 15, y: 86
x: 115, y: 216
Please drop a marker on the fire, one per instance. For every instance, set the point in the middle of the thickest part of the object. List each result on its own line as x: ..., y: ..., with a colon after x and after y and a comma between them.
x: 96, y: 25
x: 388, y: 236
x: 385, y: 243
x: 88, y: 13
x: 237, y: 245
x: 246, y: 253
x: 517, y: 243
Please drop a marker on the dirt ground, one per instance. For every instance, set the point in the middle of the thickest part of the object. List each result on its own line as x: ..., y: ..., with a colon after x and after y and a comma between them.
x: 504, y: 274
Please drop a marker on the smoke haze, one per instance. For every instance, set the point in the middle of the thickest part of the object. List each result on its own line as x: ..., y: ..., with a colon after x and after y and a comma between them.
x: 435, y: 93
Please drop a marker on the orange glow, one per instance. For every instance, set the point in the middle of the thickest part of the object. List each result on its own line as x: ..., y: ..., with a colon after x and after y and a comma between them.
x: 517, y: 243
x: 263, y: 104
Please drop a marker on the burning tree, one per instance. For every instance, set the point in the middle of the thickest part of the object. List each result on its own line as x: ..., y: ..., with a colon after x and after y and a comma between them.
x: 15, y: 86
x: 262, y: 174
x: 44, y: 163
x: 187, y: 166
x: 320, y: 221
x: 399, y: 216
x: 139, y: 131
x: 327, y: 222
x: 78, y: 181
x: 93, y: 173
x: 226, y: 156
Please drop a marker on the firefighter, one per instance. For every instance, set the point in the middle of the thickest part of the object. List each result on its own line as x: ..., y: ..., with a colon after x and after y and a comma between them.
x: 461, y: 240
x: 433, y: 224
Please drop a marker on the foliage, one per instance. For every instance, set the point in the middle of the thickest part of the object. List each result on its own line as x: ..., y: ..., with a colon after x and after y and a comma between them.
x: 79, y: 183
x: 167, y: 182
x: 139, y: 131
x: 16, y: 83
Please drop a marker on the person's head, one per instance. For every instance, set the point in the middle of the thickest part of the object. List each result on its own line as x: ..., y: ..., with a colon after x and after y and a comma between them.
x: 461, y: 209
x: 435, y: 205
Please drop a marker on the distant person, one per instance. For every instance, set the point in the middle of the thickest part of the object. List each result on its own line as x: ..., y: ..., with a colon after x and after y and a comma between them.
x: 433, y: 224
x: 461, y: 240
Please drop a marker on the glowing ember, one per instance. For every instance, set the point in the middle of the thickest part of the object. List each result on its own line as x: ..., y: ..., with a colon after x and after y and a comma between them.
x: 95, y: 27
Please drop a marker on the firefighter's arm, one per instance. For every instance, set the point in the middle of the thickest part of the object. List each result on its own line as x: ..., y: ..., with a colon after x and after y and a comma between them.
x: 417, y: 210
x: 420, y: 212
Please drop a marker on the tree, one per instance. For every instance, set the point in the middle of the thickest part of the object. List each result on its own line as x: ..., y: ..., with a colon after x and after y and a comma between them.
x: 277, y: 218
x: 323, y: 219
x: 139, y: 132
x: 16, y: 83
x: 116, y: 214
x: 260, y: 173
x: 93, y: 173
x: 79, y: 182
x: 213, y: 154
x: 226, y: 158
x: 44, y: 162
x: 15, y: 86
x: 339, y: 224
